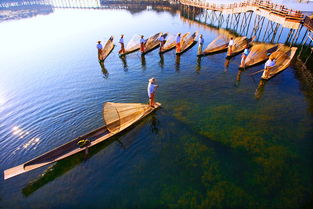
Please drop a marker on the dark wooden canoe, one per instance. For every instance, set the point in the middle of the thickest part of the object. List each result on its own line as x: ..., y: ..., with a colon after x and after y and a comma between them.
x: 126, y: 115
x: 283, y: 57
x: 152, y: 43
x: 171, y: 42
x: 240, y: 44
x: 187, y: 43
x: 217, y: 45
x: 107, y: 49
x: 259, y: 53
x: 132, y: 46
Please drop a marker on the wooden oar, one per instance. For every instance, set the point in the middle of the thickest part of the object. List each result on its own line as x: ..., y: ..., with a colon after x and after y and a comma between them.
x: 256, y: 72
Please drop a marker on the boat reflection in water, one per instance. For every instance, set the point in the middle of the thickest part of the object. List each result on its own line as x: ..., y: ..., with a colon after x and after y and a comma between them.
x: 260, y: 89
x: 125, y: 66
x: 104, y: 70
x: 177, y: 63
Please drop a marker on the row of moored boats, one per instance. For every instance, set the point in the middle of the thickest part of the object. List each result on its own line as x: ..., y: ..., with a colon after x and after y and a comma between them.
x: 259, y: 52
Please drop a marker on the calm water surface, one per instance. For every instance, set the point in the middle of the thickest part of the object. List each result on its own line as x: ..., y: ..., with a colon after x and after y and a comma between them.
x: 221, y: 140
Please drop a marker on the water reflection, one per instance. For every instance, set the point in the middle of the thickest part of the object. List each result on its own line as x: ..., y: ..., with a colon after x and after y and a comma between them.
x: 260, y: 89
x: 226, y: 63
x: 238, y: 76
x: 143, y: 62
x: 125, y: 66
x: 177, y: 63
x: 155, y: 123
x: 104, y: 70
x: 198, y: 66
x: 161, y: 62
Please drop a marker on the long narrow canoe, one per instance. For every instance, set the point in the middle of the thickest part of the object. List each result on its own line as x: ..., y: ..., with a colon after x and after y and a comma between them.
x: 117, y: 117
x: 171, y: 42
x: 283, y: 57
x: 258, y: 54
x: 132, y: 46
x: 217, y: 45
x: 107, y: 49
x: 240, y: 44
x: 152, y: 43
x: 187, y: 43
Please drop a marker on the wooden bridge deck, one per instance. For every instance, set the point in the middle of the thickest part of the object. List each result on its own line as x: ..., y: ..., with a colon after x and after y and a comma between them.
x: 277, y: 13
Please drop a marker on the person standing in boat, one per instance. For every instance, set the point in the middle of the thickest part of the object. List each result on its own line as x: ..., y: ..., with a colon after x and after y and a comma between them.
x: 201, y: 42
x: 99, y: 47
x: 151, y: 91
x: 162, y: 41
x: 142, y: 43
x: 178, y: 42
x: 270, y: 63
x: 230, y: 46
x: 244, y: 56
x: 121, y: 41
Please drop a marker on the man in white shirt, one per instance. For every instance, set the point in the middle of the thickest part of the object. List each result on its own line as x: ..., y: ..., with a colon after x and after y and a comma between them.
x: 162, y: 41
x: 151, y: 91
x: 121, y: 41
x: 142, y: 44
x: 230, y: 46
x: 201, y: 42
x: 178, y: 42
x: 270, y: 63
x: 99, y: 47
x: 244, y: 56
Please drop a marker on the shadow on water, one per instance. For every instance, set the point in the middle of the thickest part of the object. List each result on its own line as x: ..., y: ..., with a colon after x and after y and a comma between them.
x: 260, y: 89
x: 125, y: 66
x: 226, y: 63
x: 104, y: 70
x: 198, y: 66
x: 125, y: 139
x: 177, y: 63
x: 161, y: 62
x: 143, y: 63
x: 238, y: 77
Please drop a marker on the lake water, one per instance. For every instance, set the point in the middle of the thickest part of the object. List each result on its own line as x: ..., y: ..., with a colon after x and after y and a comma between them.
x: 222, y: 138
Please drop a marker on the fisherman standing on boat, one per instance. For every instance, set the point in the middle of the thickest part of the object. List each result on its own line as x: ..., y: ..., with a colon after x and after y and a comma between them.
x: 121, y: 41
x: 201, y: 42
x: 270, y: 63
x: 151, y: 91
x: 162, y: 41
x: 230, y: 46
x: 99, y: 47
x: 178, y: 42
x: 142, y: 44
x: 244, y: 56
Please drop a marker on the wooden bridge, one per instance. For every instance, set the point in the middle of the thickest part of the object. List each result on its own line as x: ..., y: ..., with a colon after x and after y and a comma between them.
x: 288, y: 18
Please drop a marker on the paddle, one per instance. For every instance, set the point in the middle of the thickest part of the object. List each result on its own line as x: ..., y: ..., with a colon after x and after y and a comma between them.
x: 256, y: 72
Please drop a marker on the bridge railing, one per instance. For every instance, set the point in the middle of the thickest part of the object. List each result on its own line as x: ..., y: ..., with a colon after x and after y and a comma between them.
x: 278, y: 9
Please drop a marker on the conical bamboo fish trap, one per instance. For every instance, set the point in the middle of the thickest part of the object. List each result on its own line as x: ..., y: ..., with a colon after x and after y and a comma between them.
x: 117, y: 116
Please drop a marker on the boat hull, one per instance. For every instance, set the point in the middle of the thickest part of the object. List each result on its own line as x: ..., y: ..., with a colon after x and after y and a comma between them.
x: 71, y: 148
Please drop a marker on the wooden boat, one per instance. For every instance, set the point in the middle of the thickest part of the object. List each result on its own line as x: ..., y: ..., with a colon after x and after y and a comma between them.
x: 107, y: 49
x: 132, y: 46
x: 117, y: 117
x: 187, y: 43
x: 171, y: 42
x: 152, y: 43
x: 283, y: 57
x: 258, y: 53
x: 217, y: 45
x: 240, y: 44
